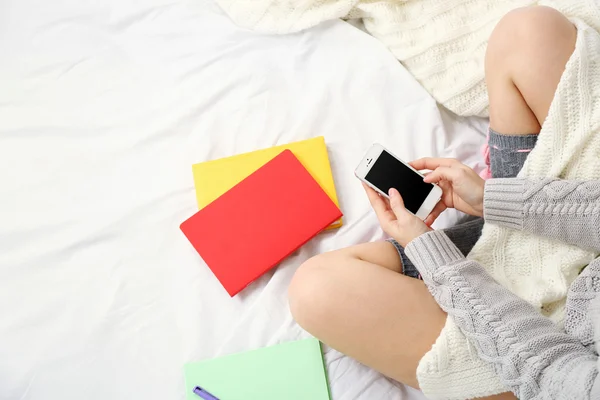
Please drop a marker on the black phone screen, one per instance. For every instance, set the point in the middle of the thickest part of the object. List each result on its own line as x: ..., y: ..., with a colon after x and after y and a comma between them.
x: 388, y: 172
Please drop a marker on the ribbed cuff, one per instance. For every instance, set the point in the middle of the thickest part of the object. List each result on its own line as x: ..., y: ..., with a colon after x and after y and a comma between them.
x: 503, y: 202
x: 431, y: 251
x: 505, y: 141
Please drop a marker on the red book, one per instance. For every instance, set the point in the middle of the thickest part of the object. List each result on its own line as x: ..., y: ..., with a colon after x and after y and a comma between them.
x: 260, y: 221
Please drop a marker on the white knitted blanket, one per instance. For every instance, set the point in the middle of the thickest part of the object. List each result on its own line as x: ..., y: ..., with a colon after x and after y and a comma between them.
x: 442, y: 43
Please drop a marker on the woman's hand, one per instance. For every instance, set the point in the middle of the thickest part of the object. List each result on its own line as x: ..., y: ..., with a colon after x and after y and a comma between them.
x: 461, y: 186
x: 394, y: 218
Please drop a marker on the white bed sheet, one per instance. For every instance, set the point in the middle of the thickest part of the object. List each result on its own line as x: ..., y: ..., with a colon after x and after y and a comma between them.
x: 104, y: 107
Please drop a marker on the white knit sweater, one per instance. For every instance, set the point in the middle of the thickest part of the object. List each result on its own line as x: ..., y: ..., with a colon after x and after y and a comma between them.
x: 442, y: 43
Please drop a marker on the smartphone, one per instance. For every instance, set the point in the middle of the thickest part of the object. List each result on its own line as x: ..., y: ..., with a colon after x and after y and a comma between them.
x: 381, y: 170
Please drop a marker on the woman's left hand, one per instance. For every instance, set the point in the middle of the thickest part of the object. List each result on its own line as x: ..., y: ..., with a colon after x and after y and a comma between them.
x: 394, y: 218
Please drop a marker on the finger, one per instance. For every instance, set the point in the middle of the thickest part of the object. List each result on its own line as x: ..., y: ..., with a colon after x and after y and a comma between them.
x: 396, y: 203
x: 380, y: 206
x: 429, y: 220
x: 433, y: 163
x: 373, y: 196
x: 441, y: 173
x: 387, y: 203
x: 446, y: 187
x: 439, y: 208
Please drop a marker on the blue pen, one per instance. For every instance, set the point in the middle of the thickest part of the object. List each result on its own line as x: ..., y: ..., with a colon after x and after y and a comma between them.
x: 204, y: 394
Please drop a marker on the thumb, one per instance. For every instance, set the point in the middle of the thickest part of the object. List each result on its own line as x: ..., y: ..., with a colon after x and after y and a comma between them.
x: 441, y: 173
x: 396, y: 203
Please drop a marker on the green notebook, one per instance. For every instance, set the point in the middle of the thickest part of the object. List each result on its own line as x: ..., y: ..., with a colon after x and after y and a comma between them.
x: 288, y: 371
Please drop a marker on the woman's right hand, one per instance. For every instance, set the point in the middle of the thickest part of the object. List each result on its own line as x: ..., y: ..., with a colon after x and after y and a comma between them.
x: 461, y: 186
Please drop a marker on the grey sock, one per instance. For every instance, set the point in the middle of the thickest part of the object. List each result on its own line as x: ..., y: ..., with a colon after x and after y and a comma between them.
x: 508, y: 153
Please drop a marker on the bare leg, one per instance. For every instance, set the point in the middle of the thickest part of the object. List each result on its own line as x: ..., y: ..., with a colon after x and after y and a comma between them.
x: 526, y: 57
x: 355, y: 300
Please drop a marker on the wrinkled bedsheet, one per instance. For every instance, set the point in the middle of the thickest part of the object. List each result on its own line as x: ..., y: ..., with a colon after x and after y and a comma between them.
x: 104, y: 107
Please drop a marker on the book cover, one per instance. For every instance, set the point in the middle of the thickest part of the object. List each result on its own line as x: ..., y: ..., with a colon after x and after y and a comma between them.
x: 288, y: 371
x: 213, y: 178
x: 256, y: 224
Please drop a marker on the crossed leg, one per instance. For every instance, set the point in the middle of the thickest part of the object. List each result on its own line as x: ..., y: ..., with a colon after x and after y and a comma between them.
x: 356, y: 300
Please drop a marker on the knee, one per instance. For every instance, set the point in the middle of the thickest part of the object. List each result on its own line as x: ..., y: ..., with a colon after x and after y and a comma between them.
x: 308, y: 293
x: 530, y: 34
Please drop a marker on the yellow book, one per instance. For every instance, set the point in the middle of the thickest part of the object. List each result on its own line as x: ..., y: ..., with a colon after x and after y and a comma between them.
x: 213, y: 178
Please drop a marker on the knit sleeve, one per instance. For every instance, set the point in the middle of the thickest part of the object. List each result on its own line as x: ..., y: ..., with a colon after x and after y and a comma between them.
x: 578, y: 319
x: 530, y: 354
x: 567, y: 211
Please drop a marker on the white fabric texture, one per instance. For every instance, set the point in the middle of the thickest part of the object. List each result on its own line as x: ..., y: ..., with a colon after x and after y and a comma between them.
x: 104, y: 107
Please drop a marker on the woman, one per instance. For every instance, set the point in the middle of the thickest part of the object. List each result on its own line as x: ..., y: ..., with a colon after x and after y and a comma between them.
x: 364, y: 300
